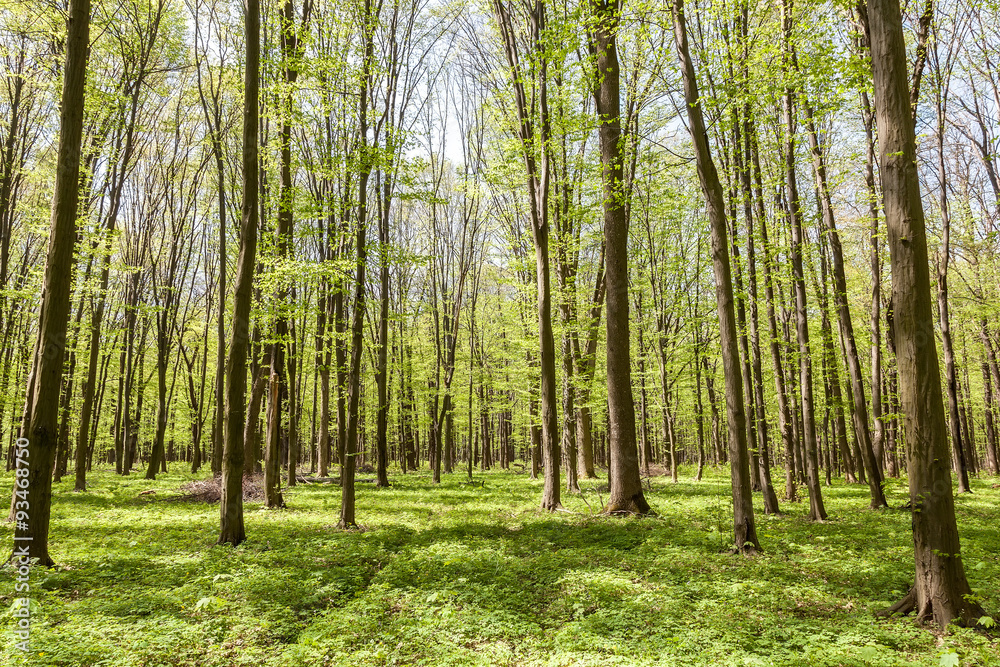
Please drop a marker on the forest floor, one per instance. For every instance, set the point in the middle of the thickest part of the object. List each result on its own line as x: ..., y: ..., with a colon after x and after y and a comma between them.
x: 477, y: 575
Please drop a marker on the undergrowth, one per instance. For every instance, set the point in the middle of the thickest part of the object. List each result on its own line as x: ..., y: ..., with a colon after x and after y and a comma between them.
x: 461, y: 574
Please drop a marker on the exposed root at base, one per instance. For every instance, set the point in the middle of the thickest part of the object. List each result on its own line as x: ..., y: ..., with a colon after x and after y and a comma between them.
x: 907, y: 604
x: 634, y: 506
x: 745, y: 551
x: 965, y: 615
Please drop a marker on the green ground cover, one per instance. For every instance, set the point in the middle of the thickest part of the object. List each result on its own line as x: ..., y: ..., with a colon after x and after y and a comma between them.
x: 476, y: 575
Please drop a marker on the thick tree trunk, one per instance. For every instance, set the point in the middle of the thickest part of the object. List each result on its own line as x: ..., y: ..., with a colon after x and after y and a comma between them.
x: 941, y: 590
x: 31, y: 535
x: 626, y: 494
x: 744, y: 529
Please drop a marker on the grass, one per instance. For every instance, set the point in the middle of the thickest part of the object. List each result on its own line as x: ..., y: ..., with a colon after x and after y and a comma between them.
x: 476, y: 575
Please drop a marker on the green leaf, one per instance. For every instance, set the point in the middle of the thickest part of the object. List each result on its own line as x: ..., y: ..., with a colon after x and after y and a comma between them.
x: 209, y: 603
x: 948, y: 659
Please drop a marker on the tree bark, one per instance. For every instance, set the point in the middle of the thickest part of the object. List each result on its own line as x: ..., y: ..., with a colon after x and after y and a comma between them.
x: 744, y: 528
x: 32, y: 534
x: 626, y: 494
x: 941, y: 590
x: 785, y: 423
x: 943, y: 260
x: 538, y: 174
x: 817, y: 512
x: 872, y: 463
x: 231, y: 530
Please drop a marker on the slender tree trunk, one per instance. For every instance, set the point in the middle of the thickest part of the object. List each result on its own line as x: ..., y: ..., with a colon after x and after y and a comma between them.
x: 752, y: 366
x: 323, y: 359
x: 872, y: 463
x: 879, y: 435
x: 943, y: 259
x: 382, y: 365
x: 992, y: 463
x: 231, y: 529
x: 538, y: 172
x: 350, y: 448
x: 587, y: 364
x: 699, y: 407
x: 991, y: 376
x: 745, y: 532
x: 816, y: 510
x: 157, y: 456
x: 785, y: 421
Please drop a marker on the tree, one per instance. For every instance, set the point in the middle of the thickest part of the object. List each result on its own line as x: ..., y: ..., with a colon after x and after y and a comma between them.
x: 42, y: 404
x: 809, y: 442
x: 231, y: 530
x: 941, y: 69
x: 744, y: 528
x: 940, y: 592
x: 623, y: 475
x: 534, y: 132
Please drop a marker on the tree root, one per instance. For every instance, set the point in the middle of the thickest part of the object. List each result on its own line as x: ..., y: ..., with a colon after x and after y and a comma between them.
x: 907, y: 604
x: 633, y: 506
x: 965, y: 615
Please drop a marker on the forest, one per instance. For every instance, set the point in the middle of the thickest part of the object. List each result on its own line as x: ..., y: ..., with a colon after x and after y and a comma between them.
x: 538, y: 332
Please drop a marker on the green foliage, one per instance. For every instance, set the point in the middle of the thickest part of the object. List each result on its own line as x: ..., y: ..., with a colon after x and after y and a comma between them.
x: 467, y: 575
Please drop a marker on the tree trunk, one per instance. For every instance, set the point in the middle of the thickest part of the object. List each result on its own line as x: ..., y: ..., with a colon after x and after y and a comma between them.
x: 879, y: 434
x: 941, y: 590
x: 382, y: 363
x: 157, y: 456
x: 744, y: 529
x: 538, y: 172
x: 626, y: 494
x: 354, y: 387
x: 785, y: 422
x: 991, y: 376
x: 752, y: 365
x: 31, y: 535
x: 943, y: 259
x: 231, y: 530
x: 816, y: 510
x: 872, y: 463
